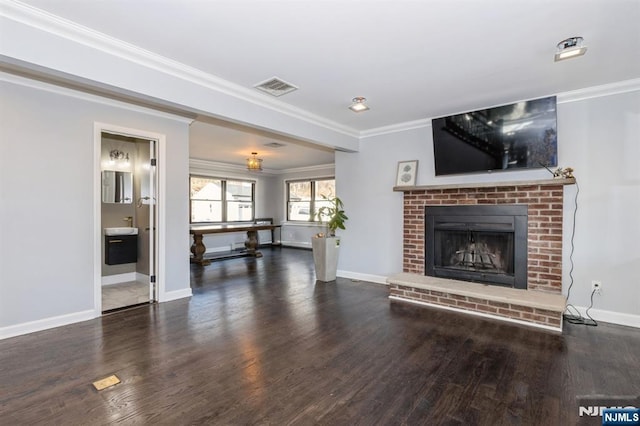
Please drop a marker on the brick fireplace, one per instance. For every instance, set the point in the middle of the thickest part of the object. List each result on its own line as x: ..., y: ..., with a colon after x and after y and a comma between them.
x: 544, y: 204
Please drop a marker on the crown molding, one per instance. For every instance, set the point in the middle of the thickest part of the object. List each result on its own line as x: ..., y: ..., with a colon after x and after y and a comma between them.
x: 52, y: 24
x: 217, y: 166
x: 307, y: 169
x: 609, y: 89
x: 59, y: 90
x: 394, y: 128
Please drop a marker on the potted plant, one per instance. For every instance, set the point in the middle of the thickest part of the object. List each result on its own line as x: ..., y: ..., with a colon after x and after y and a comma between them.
x: 326, y: 246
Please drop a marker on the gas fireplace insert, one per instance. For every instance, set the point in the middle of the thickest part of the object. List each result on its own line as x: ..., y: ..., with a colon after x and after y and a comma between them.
x: 478, y: 243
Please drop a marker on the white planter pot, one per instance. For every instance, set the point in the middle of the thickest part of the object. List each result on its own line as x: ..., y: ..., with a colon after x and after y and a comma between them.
x: 325, y: 257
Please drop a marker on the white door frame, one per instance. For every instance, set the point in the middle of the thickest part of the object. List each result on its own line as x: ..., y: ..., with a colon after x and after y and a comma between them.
x: 98, y: 129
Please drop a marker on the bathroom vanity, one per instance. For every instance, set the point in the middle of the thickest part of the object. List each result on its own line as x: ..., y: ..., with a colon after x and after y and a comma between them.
x: 120, y: 245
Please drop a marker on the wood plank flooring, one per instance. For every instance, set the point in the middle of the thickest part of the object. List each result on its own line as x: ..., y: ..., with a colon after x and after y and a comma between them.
x: 261, y: 343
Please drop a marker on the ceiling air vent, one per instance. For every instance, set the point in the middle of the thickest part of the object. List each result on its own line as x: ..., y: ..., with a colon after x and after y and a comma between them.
x: 276, y: 87
x: 275, y: 145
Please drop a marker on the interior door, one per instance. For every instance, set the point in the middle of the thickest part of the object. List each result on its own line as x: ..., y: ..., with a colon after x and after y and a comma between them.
x: 147, y: 216
x: 153, y: 219
x: 150, y: 199
x: 133, y: 282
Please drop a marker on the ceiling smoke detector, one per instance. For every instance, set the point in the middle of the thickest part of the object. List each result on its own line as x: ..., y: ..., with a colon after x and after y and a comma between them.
x: 275, y: 87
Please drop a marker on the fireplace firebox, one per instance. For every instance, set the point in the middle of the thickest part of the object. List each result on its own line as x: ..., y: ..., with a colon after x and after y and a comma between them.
x: 478, y: 243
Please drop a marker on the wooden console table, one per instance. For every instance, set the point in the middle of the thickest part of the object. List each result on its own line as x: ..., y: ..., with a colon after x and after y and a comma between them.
x: 251, y: 243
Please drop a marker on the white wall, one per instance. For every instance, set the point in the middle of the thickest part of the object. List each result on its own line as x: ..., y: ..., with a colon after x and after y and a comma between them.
x: 47, y: 221
x: 264, y: 190
x: 371, y: 248
x: 598, y: 136
x: 270, y: 202
x: 604, y: 136
x: 297, y: 234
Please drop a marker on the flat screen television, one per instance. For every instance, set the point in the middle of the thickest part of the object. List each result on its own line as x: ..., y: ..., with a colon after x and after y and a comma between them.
x: 509, y: 137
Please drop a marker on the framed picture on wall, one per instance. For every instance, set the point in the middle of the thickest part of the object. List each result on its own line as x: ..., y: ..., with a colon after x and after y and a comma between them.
x: 406, y: 175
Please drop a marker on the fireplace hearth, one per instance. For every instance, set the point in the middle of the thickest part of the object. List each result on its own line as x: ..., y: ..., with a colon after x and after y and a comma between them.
x: 540, y: 211
x: 477, y: 243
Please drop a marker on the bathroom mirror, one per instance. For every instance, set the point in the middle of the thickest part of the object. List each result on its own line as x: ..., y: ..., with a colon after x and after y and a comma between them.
x: 117, y: 187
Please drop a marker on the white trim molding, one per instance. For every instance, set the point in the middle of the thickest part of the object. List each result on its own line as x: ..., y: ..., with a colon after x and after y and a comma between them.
x: 295, y: 244
x: 207, y: 166
x: 45, y: 324
x: 161, y: 142
x: 618, y: 87
x: 618, y: 318
x: 357, y: 276
x: 394, y: 128
x: 52, y: 24
x: 309, y: 169
x: 198, y: 165
x: 600, y: 91
x: 119, y: 278
x: 168, y: 296
x: 76, y: 94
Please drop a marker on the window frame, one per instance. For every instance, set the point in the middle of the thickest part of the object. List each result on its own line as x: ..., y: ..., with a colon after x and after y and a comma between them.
x: 223, y: 199
x: 312, y: 201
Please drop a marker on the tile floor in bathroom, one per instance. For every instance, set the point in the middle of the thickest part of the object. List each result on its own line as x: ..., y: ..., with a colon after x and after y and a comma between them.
x: 124, y: 294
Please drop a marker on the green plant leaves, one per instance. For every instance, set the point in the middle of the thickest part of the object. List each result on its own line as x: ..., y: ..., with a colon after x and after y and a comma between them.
x: 335, y: 213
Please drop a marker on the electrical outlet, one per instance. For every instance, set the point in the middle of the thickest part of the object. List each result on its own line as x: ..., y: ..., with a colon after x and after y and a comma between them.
x: 596, y: 286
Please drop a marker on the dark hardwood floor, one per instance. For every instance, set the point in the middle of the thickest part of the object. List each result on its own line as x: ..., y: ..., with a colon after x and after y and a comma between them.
x: 261, y: 343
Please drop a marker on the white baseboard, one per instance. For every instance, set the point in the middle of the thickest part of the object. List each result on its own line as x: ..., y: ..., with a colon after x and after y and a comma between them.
x: 295, y: 244
x: 45, y: 324
x: 118, y: 278
x: 175, y: 295
x: 630, y: 320
x: 378, y: 279
x: 219, y: 249
x: 142, y: 278
x: 59, y: 321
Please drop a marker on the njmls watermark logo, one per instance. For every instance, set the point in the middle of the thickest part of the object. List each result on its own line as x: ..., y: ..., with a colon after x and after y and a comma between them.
x: 608, y: 410
x: 621, y: 416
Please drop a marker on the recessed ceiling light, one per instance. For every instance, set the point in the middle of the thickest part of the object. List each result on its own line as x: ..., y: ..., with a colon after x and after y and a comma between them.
x: 358, y: 104
x: 570, y: 48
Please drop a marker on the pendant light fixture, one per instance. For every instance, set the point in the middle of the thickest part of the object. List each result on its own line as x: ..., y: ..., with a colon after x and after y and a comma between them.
x: 254, y: 163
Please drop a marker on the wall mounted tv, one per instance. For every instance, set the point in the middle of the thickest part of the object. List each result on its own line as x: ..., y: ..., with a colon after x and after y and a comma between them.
x: 509, y: 137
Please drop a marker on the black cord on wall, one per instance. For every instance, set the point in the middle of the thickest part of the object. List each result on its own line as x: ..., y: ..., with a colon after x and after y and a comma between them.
x: 576, y: 317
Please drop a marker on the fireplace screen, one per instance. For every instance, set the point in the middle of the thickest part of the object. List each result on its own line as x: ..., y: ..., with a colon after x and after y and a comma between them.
x: 488, y: 252
x: 486, y: 244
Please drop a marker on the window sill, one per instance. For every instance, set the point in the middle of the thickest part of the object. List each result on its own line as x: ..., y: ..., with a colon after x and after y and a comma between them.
x: 305, y: 224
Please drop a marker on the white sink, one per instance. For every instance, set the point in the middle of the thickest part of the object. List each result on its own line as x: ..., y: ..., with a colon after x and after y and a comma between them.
x: 121, y: 231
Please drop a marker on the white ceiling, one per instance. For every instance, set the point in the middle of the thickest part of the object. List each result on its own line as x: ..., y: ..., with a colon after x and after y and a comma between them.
x: 412, y: 60
x: 211, y: 139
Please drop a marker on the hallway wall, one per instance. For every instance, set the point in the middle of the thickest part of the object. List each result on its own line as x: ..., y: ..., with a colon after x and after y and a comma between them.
x: 47, y: 218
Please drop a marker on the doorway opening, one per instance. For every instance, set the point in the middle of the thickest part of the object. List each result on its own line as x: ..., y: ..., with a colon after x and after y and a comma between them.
x: 127, y: 218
